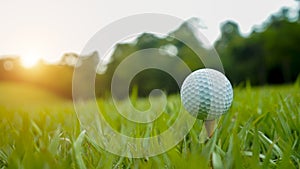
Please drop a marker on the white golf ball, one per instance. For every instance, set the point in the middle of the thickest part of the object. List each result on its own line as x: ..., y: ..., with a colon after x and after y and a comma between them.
x: 206, y: 94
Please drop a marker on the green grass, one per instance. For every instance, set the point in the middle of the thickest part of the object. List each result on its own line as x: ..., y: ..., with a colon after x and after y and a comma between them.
x: 261, y: 130
x: 25, y: 96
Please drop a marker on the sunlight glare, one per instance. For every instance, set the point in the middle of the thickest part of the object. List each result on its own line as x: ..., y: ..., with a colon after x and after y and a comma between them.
x: 29, y: 60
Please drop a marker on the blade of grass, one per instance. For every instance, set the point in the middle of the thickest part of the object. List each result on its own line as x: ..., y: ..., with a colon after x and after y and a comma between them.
x: 77, y: 150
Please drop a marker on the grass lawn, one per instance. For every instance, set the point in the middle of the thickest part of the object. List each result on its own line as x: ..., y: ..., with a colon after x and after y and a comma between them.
x: 41, y: 130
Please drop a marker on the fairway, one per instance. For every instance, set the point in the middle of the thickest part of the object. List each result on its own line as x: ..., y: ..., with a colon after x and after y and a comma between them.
x: 25, y: 95
x: 261, y: 130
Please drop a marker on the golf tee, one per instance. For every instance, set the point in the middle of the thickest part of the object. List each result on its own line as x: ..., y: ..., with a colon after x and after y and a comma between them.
x: 210, y: 127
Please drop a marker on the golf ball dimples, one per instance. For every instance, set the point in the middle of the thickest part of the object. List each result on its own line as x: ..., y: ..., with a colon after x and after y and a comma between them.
x: 206, y: 94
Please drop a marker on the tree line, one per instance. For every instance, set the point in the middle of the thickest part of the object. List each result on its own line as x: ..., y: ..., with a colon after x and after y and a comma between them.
x: 270, y: 54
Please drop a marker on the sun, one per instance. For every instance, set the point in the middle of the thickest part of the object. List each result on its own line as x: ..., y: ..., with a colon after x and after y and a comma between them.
x: 29, y: 60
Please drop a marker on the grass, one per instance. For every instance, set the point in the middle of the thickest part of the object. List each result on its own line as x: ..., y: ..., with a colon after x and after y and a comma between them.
x: 261, y: 130
x: 25, y: 96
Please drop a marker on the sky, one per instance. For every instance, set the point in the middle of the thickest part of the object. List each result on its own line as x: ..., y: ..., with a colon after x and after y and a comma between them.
x: 49, y: 28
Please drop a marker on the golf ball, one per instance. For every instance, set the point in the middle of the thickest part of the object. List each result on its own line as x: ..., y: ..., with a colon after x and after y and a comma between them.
x: 206, y: 94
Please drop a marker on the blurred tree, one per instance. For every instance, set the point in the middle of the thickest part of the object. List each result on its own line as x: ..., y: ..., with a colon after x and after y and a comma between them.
x: 229, y: 43
x: 268, y: 55
x: 69, y: 59
x: 150, y: 79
